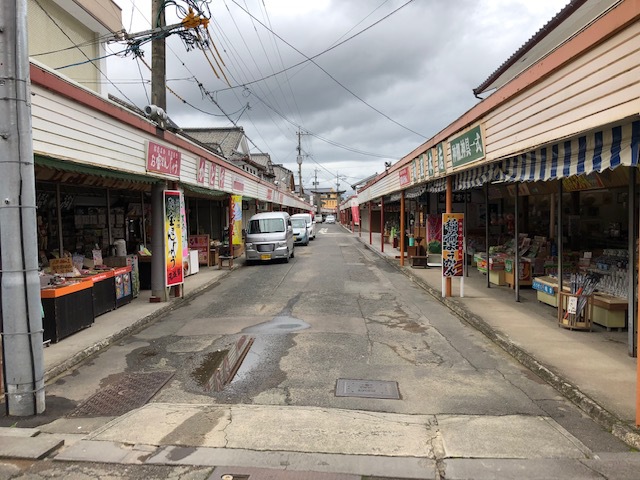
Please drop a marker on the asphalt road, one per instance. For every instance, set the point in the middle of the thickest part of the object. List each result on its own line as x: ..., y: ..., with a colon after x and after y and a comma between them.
x: 339, y: 312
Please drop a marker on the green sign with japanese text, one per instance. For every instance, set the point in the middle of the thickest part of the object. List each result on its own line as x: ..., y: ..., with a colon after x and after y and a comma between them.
x: 467, y: 147
x: 430, y: 170
x: 440, y: 156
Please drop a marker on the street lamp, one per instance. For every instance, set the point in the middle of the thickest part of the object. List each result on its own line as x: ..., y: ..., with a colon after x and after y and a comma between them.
x: 299, y: 160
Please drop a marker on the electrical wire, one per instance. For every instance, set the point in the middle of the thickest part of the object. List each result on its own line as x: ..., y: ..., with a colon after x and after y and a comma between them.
x: 332, y: 77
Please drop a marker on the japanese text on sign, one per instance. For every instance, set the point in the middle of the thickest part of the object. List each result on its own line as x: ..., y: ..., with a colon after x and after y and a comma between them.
x: 162, y: 159
x: 405, y: 176
x: 467, y: 147
x: 452, y: 244
x: 440, y: 155
x: 173, y: 237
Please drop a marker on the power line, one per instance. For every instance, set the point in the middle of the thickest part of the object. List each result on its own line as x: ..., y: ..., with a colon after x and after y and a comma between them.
x: 311, y: 59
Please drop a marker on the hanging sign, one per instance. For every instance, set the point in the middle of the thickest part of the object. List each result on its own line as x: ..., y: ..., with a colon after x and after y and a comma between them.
x: 429, y: 160
x: 163, y: 159
x: 452, y: 244
x: 173, y: 238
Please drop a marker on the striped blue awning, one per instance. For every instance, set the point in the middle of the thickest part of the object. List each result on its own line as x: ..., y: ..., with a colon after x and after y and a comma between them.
x: 475, y: 177
x: 595, y: 152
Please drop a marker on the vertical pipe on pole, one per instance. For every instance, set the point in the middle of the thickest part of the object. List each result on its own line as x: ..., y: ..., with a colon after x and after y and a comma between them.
x: 516, y: 262
x: 20, y: 284
x: 633, y: 257
x: 486, y: 229
x: 370, y: 226
x: 465, y: 266
x: 559, y: 237
x: 402, y: 227
x: 144, y: 220
x: 382, y: 224
x: 449, y: 209
x: 109, y: 232
x: 59, y: 214
x: 158, y: 288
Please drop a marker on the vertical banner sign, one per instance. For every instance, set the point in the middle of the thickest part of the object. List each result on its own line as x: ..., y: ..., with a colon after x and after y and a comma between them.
x: 452, y: 244
x: 173, y: 238
x: 355, y: 213
x: 236, y: 208
x: 221, y: 172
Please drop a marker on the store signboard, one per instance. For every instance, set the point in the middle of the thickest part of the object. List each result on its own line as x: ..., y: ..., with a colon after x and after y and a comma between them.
x: 202, y: 171
x: 174, y: 274
x: 355, y: 214
x: 430, y: 170
x: 163, y: 159
x: 200, y: 243
x: 452, y: 244
x: 414, y: 169
x: 421, y: 166
x: 405, y: 176
x: 221, y: 173
x: 236, y: 221
x: 212, y: 174
x: 238, y: 184
x: 467, y: 147
x: 440, y: 157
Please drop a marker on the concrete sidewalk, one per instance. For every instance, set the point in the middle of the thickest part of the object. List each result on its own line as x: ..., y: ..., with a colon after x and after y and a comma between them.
x: 592, y: 369
x: 112, y: 326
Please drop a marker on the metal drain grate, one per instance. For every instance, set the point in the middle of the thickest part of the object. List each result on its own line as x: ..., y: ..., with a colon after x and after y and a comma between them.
x: 367, y: 389
x: 129, y: 392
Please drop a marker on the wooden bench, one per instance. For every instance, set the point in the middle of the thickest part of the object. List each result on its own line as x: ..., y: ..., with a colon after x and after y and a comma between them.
x: 222, y: 259
x: 419, y: 261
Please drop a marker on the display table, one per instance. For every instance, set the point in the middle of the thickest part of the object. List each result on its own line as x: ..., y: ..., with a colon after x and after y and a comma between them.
x: 104, y: 297
x: 610, y: 312
x: 67, y: 309
x: 497, y: 277
x: 546, y: 290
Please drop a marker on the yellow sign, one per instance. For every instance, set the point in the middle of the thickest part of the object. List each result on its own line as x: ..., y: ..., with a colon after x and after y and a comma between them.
x: 61, y: 265
x: 236, y: 209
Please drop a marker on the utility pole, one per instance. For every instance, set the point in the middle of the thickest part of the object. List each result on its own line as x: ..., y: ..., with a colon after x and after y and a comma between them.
x: 22, y: 334
x: 299, y: 159
x: 159, y: 99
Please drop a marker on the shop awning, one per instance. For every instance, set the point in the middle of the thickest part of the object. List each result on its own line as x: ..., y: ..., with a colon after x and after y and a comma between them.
x: 475, y: 177
x: 217, y: 194
x: 439, y: 185
x: 595, y: 152
x: 90, y: 170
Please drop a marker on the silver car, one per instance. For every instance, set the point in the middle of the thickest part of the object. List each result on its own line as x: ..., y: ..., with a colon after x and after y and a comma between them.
x: 269, y: 237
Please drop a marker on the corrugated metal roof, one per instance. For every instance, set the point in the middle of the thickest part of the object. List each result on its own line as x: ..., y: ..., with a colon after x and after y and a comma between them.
x: 573, y: 18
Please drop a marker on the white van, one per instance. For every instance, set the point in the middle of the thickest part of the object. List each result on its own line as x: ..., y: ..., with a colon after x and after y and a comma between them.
x: 311, y: 229
x: 269, y: 237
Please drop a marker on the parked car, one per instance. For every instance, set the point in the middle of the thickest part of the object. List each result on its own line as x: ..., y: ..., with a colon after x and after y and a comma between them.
x: 269, y: 237
x: 300, y: 231
x: 310, y: 223
x: 330, y: 219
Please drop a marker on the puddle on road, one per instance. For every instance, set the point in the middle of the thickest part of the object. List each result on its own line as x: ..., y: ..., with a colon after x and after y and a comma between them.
x: 279, y: 324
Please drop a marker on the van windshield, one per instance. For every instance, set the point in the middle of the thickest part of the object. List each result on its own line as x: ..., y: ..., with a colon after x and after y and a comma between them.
x: 298, y: 223
x: 266, y: 225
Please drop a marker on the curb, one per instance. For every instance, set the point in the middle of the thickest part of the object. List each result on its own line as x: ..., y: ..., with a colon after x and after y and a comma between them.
x: 75, y: 359
x: 595, y: 411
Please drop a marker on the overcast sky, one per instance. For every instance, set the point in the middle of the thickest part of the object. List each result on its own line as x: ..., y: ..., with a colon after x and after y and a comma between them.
x: 372, y: 99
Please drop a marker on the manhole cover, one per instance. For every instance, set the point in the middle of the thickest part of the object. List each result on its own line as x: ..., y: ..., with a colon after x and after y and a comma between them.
x: 367, y: 389
x: 129, y: 392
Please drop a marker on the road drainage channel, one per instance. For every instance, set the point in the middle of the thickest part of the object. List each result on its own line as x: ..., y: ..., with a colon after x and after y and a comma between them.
x: 220, y: 367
